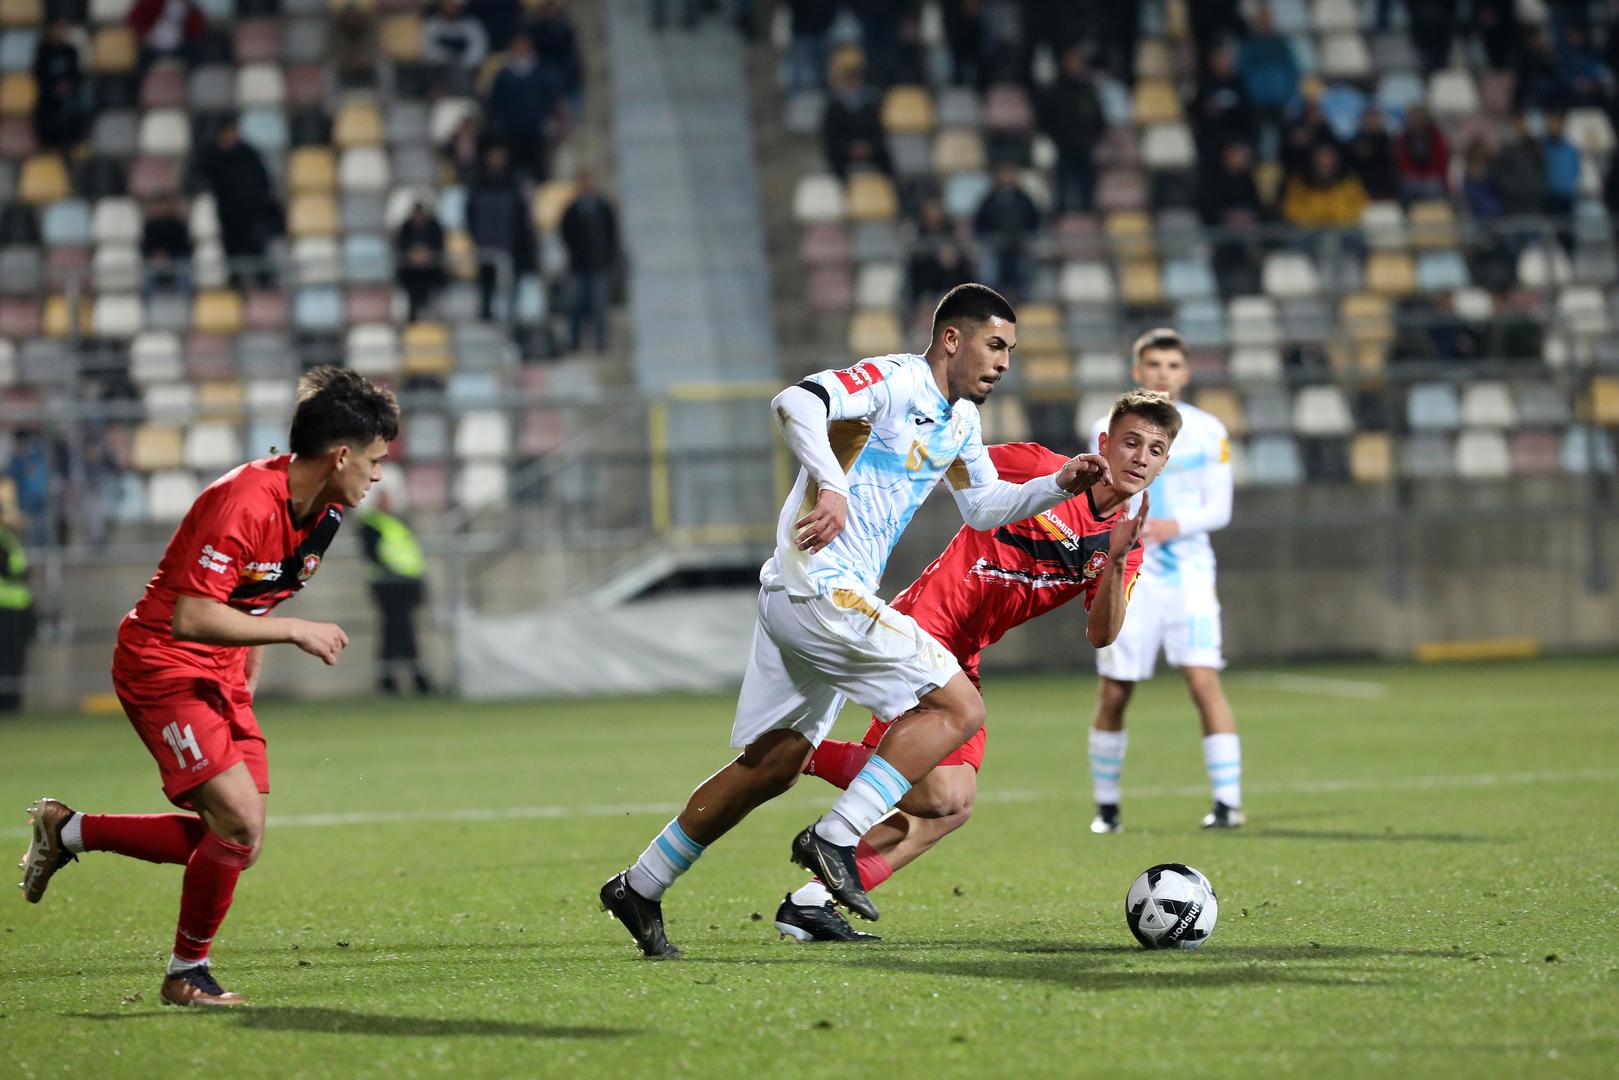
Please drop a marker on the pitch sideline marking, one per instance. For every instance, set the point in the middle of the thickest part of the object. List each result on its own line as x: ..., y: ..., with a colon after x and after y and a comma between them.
x: 1295, y: 787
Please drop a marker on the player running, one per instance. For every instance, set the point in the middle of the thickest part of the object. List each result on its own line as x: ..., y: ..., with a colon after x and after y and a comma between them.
x: 189, y: 654
x: 1178, y: 607
x: 873, y: 440
x: 984, y: 584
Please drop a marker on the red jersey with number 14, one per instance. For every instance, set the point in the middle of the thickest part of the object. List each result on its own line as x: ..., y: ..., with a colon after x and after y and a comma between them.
x: 987, y: 582
x: 239, y: 545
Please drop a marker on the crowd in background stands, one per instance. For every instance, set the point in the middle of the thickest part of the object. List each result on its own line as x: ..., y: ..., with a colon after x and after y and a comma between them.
x: 1336, y: 148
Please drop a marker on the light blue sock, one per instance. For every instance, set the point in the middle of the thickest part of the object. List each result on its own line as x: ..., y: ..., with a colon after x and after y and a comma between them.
x: 870, y: 796
x: 670, y: 854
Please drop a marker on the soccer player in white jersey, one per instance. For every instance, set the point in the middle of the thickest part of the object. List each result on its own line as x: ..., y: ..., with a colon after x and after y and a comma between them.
x: 1175, y: 606
x: 873, y: 440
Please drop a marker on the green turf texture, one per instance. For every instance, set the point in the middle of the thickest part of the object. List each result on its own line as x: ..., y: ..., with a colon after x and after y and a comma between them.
x: 1427, y: 887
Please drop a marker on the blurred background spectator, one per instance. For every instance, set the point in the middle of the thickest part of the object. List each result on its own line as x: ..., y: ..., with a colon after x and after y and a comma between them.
x: 419, y: 254
x: 59, y: 113
x: 590, y: 232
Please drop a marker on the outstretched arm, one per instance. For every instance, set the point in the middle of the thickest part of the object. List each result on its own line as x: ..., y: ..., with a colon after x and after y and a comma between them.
x: 210, y: 622
x: 996, y: 502
x: 1106, y: 616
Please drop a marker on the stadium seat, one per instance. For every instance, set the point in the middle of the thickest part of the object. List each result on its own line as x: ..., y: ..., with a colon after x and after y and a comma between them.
x: 879, y: 284
x: 447, y: 116
x: 358, y: 123
x: 1273, y: 461
x: 1168, y: 147
x: 830, y: 290
x: 1397, y: 91
x: 18, y: 94
x: 318, y: 309
x: 1290, y: 274
x: 164, y: 88
x: 1086, y: 283
x: 872, y: 198
x: 270, y: 400
x: 1536, y: 454
x: 483, y: 434
x: 170, y: 493
x: 1586, y: 451
x: 363, y: 212
x: 1582, y: 311
x: 818, y: 197
x: 1433, y: 407
x: 1539, y: 268
x: 312, y: 215
x: 216, y: 312
x: 428, y: 488
x: 113, y: 51
x: 963, y: 191
x: 372, y: 349
x: 67, y: 223
x: 260, y: 84
x: 367, y: 259
x: 1488, y: 405
x: 1252, y: 320
x: 1600, y: 405
x: 1320, y: 411
x: 482, y: 485
x: 1591, y: 131
x: 1121, y: 189
x: 1268, y: 411
x: 312, y: 170
x: 824, y: 244
x: 258, y: 41
x: 1482, y: 455
x: 907, y: 110
x: 154, y: 177
x: 1155, y: 102
x: 156, y: 446
x: 1433, y: 225
x: 212, y: 446
x: 1427, y: 457
x: 1391, y: 273
x: 265, y: 129
x: 1140, y: 284
x: 22, y: 271
x: 116, y: 268
x: 64, y: 320
x: 425, y: 349
x: 1383, y: 225
x: 1201, y: 322
x: 1452, y: 94
x: 364, y: 168
x: 415, y: 165
x: 1345, y: 56
x: 1102, y: 371
x: 117, y: 316
x: 407, y: 123
x: 1441, y: 271
x: 1007, y: 109
x: 265, y: 309
x: 1367, y: 318
x: 1371, y: 458
x: 44, y: 179
x: 116, y: 221
x: 17, y: 49
x: 304, y: 41
x: 1225, y: 406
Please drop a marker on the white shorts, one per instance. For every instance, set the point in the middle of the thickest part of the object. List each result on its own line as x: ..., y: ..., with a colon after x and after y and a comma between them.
x: 812, y: 653
x: 1181, y: 617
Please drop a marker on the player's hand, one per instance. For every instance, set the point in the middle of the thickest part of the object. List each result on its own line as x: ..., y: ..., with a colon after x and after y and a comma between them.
x: 1159, y: 530
x: 323, y: 640
x: 1125, y: 534
x: 822, y: 525
x: 1080, y: 473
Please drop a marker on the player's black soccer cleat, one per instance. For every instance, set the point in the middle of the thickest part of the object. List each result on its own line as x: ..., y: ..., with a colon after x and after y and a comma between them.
x: 643, y: 918
x: 806, y: 922
x: 1106, y: 819
x: 836, y: 868
x: 46, y: 852
x: 1224, y: 817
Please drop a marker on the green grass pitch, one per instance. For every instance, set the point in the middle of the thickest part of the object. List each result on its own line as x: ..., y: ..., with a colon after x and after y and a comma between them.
x: 1427, y: 887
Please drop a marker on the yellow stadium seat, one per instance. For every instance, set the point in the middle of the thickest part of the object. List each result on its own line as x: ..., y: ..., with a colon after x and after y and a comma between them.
x: 1045, y: 370
x: 18, y: 94
x: 1040, y: 329
x: 113, y: 50
x: 1371, y: 458
x: 1225, y: 406
x: 1156, y: 102
x: 908, y: 110
x: 157, y: 446
x: 875, y: 333
x: 958, y: 150
x: 1391, y: 273
x: 221, y: 400
x: 358, y: 124
x: 551, y: 199
x: 1366, y: 318
x: 872, y: 198
x: 1129, y: 233
x: 425, y: 349
x: 402, y: 37
x: 312, y: 215
x: 460, y: 254
x: 22, y: 13
x: 312, y: 170
x: 59, y: 319
x: 216, y: 311
x: 1602, y: 402
x: 1431, y: 224
x: 1140, y: 284
x: 44, y: 179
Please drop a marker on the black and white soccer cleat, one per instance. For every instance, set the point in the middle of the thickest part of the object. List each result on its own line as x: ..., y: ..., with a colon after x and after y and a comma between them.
x: 836, y: 868
x: 1224, y: 817
x: 806, y: 922
x: 643, y: 918
x: 1106, y: 819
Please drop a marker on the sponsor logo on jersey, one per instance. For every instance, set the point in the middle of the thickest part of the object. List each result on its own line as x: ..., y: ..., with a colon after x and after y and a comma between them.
x: 311, y: 564
x: 862, y: 376
x: 1095, y: 563
x: 261, y: 571
x: 213, y: 560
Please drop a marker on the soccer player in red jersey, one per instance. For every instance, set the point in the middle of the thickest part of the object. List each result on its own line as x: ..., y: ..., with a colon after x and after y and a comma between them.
x: 984, y: 584
x: 188, y: 660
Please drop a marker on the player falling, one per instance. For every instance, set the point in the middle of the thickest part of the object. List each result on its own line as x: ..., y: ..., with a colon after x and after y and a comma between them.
x: 1178, y: 607
x: 985, y: 583
x: 189, y: 655
x: 873, y: 441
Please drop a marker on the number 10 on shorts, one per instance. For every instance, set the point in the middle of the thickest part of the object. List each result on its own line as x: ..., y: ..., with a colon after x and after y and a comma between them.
x: 180, y: 740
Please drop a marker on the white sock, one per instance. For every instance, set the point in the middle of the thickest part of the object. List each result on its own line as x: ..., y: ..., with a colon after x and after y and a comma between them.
x: 1107, y: 764
x: 73, y: 834
x: 177, y: 965
x: 670, y: 854
x: 1222, y: 754
x: 812, y: 895
x: 869, y: 798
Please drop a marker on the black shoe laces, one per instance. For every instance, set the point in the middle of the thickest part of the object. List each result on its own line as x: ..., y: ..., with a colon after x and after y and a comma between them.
x: 203, y: 979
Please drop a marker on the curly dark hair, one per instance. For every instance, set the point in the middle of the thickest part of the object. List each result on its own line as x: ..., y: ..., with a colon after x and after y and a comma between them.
x: 336, y: 405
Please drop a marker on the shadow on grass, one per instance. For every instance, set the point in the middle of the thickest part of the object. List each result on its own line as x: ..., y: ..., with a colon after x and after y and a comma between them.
x: 342, y: 1022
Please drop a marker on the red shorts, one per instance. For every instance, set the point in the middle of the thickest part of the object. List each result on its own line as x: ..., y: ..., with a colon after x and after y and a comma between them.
x: 195, y: 728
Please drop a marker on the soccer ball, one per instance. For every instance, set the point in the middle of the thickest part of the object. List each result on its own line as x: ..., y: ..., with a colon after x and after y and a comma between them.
x: 1171, y: 906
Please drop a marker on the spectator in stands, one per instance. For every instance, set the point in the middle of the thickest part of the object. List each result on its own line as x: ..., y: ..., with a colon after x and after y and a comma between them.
x: 16, y: 605
x: 465, y: 149
x: 456, y: 43
x: 1422, y: 157
x: 1496, y: 24
x: 497, y: 219
x: 1480, y: 192
x: 500, y: 20
x: 59, y: 117
x: 939, y: 261
x: 250, y: 216
x: 1220, y: 110
x: 1370, y: 156
x: 96, y: 490
x: 1229, y: 196
x: 1270, y: 71
x: 809, y: 22
x: 1539, y: 83
x: 964, y: 30
x: 1071, y: 114
x: 1005, y: 223
x: 1433, y: 25
x: 852, y: 126
x: 1519, y: 169
x: 166, y: 248
x: 556, y: 43
x: 589, y: 230
x: 1213, y: 23
x: 1302, y: 135
x: 1326, y: 198
x: 31, y: 469
x: 420, y: 257
x: 1118, y: 29
x: 353, y: 48
x: 521, y: 111
x: 1562, y: 168
x: 1586, y: 81
x: 167, y: 29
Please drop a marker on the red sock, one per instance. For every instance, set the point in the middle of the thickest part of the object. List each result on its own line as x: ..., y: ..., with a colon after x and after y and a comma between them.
x: 874, y: 869
x: 159, y: 838
x: 838, y: 763
x: 210, y: 882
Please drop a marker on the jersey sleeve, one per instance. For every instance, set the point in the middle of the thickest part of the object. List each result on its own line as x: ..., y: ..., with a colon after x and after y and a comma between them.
x: 857, y: 392
x: 220, y: 537
x: 1017, y: 462
x: 1132, y: 568
x: 973, y: 466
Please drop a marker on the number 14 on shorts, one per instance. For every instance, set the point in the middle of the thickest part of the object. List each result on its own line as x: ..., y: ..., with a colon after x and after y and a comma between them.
x: 180, y: 739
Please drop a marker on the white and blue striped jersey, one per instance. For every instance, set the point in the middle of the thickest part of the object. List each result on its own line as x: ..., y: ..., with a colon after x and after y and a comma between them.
x: 1195, y: 489
x: 895, y: 435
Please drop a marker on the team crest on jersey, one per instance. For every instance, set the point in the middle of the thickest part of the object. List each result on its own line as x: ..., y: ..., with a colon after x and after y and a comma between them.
x: 1094, y: 564
x: 311, y: 564
x: 862, y: 376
